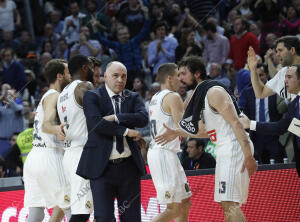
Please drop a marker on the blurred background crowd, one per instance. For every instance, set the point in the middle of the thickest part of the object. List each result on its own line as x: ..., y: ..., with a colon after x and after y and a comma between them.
x: 142, y: 34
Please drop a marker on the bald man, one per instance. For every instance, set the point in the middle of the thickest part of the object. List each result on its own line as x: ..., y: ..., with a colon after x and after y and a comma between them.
x: 111, y: 158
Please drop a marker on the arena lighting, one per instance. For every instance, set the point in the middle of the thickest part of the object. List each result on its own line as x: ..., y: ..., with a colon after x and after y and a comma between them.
x: 274, y: 196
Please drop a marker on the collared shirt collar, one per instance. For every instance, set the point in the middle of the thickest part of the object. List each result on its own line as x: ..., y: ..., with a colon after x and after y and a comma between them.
x: 110, y: 92
x: 241, y: 35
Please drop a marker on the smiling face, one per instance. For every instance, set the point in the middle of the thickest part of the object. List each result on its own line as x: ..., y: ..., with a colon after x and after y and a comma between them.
x: 115, y: 77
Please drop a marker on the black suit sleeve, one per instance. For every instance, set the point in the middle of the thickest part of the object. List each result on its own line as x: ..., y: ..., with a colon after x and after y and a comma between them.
x: 94, y: 120
x: 280, y: 127
x: 137, y: 118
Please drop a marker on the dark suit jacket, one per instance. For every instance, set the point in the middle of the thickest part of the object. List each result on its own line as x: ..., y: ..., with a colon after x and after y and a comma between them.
x: 96, y: 152
x: 280, y: 127
x: 250, y: 109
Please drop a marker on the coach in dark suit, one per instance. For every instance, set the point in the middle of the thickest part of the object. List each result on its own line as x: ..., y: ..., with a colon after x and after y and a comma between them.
x: 266, y: 146
x: 292, y: 82
x: 111, y: 158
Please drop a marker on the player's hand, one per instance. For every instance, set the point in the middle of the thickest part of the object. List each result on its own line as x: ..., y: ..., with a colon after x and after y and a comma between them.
x: 167, y: 136
x: 245, y: 121
x: 60, y: 132
x: 250, y: 165
x: 110, y: 118
x: 252, y: 60
x: 136, y: 135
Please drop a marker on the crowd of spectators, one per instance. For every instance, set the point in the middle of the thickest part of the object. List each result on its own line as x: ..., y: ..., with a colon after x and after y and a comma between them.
x: 142, y: 34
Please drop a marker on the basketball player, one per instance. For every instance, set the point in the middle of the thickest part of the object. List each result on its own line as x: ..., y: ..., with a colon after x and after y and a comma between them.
x: 167, y: 173
x: 234, y: 150
x: 44, y: 180
x: 70, y: 111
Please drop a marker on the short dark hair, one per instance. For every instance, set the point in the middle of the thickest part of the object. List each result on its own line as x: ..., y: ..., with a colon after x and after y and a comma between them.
x: 194, y: 64
x: 209, y: 26
x: 199, y: 142
x: 160, y: 24
x: 297, y: 70
x: 264, y: 66
x: 164, y: 71
x: 289, y: 41
x: 244, y: 22
x: 53, y: 67
x: 95, y: 61
x: 76, y: 62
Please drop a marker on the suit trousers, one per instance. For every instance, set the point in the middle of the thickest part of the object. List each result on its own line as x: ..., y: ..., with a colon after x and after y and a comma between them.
x: 121, y: 181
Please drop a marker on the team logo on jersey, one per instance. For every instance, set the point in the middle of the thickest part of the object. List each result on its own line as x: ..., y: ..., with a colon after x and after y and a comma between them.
x: 212, y: 135
x: 187, y: 187
x: 63, y: 109
x: 66, y: 198
x: 167, y: 195
x: 150, y: 112
x: 88, y: 204
x: 188, y: 125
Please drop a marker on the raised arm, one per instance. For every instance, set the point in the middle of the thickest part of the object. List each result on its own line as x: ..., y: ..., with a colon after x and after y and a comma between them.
x: 260, y: 90
x: 219, y: 100
x: 50, y: 116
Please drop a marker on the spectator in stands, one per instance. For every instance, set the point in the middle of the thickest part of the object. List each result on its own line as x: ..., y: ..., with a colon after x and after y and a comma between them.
x: 157, y: 15
x: 86, y: 46
x: 201, y: 9
x: 49, y: 36
x: 265, y: 110
x: 188, y: 45
x: 140, y: 87
x: 57, y: 23
x: 8, y: 40
x: 4, y: 172
x: 11, y: 117
x: 240, y: 43
x: 25, y: 44
x: 132, y: 17
x: 9, y: 15
x: 162, y: 49
x: 72, y: 24
x: 128, y: 50
x: 48, y: 47
x: 62, y: 50
x: 13, y: 161
x: 175, y: 18
x: 93, y: 17
x: 272, y: 60
x: 216, y: 46
x: 255, y: 29
x: 292, y: 20
x: 228, y: 24
x: 198, y: 158
x: 244, y: 8
x: 13, y: 71
x: 214, y: 21
x: 215, y: 73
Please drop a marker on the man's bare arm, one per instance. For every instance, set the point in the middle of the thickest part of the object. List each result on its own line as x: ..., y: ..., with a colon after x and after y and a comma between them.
x: 219, y: 100
x: 80, y: 89
x: 49, y: 125
x: 260, y: 90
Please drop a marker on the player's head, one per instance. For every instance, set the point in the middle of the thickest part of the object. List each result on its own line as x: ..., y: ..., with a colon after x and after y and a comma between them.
x: 287, y: 47
x: 192, y: 71
x: 57, y: 70
x: 292, y: 79
x: 115, y: 76
x: 195, y: 147
x: 167, y: 74
x: 81, y: 66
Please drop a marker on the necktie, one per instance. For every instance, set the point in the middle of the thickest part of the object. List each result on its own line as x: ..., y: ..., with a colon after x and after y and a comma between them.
x: 262, y: 110
x: 120, y: 145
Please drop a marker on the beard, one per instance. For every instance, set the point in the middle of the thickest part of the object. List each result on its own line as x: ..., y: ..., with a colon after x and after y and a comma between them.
x: 90, y: 75
x: 192, y: 85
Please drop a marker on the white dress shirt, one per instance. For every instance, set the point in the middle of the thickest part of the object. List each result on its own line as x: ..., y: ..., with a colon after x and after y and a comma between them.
x: 114, y: 153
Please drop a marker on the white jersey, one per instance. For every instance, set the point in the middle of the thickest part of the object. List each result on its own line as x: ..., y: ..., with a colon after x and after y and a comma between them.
x: 158, y: 117
x: 276, y: 84
x: 71, y: 113
x: 218, y: 130
x: 41, y: 139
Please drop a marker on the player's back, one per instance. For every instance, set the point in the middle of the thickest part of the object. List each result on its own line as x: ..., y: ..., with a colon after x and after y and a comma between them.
x: 158, y: 117
x: 71, y: 113
x: 41, y: 139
